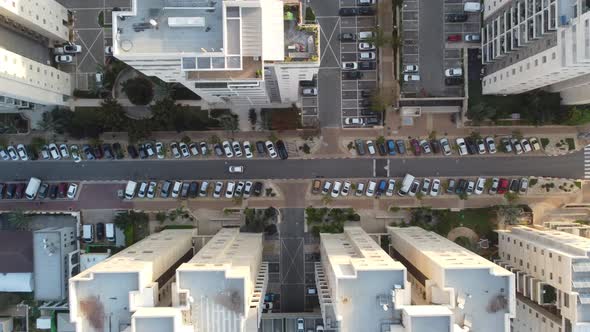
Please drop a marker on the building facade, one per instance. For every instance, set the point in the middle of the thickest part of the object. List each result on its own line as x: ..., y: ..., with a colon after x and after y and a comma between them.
x: 552, y: 276
x: 531, y: 44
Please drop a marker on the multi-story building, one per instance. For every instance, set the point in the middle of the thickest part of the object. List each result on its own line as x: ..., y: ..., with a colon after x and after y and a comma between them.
x: 480, y: 293
x: 243, y: 52
x: 222, y: 288
x: 361, y: 288
x: 531, y: 44
x: 27, y: 81
x: 55, y: 261
x: 16, y: 255
x: 104, y: 297
x: 571, y: 227
x: 552, y: 278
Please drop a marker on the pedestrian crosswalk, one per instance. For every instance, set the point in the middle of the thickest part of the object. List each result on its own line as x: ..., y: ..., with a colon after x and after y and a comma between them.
x: 587, y: 162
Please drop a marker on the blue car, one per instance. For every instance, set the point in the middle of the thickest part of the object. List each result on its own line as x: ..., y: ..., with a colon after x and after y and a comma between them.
x: 382, y: 187
x: 401, y: 146
x: 391, y: 147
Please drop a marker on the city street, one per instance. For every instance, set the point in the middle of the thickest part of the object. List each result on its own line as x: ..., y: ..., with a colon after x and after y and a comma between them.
x: 567, y: 166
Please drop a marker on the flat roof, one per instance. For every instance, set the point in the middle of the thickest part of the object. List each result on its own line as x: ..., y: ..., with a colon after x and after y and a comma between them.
x: 566, y: 243
x: 51, y: 245
x: 16, y: 251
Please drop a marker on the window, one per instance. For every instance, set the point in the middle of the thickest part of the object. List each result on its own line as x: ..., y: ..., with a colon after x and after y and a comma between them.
x: 550, y: 275
x: 553, y: 56
x: 543, y: 272
x: 544, y: 59
x: 550, y: 255
x: 558, y: 258
x: 543, y: 252
x: 536, y: 62
x: 559, y: 280
x: 566, y: 300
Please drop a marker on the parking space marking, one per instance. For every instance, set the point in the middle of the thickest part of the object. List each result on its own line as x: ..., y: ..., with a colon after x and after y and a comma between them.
x: 329, y: 40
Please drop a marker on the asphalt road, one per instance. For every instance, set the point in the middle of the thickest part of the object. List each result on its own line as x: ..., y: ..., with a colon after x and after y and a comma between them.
x: 568, y: 166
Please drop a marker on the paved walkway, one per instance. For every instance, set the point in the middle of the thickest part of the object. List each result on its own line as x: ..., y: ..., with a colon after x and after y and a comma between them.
x: 388, y: 84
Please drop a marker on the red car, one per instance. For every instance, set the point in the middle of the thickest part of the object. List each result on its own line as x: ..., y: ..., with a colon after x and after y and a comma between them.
x: 454, y: 38
x: 416, y: 147
x: 20, y: 191
x: 61, y: 191
x: 502, y: 186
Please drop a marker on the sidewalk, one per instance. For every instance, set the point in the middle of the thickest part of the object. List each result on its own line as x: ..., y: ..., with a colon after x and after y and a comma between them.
x: 388, y: 84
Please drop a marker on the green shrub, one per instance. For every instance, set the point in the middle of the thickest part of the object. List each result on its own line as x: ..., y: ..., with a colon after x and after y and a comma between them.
x: 309, y: 14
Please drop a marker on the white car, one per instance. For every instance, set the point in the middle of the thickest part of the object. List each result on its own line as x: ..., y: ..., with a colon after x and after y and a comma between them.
x: 426, y: 186
x: 491, y: 145
x: 435, y: 189
x: 174, y: 149
x: 479, y: 186
x: 517, y: 146
x: 184, y: 150
x: 160, y: 150
x: 64, y: 59
x: 411, y: 77
x: 425, y: 146
x: 271, y: 149
x: 63, y: 149
x: 411, y: 68
x: 364, y: 46
x: 248, y: 189
x: 371, y: 147
x: 350, y: 65
x: 526, y: 145
x: 390, y: 188
x: 371, y: 189
x: 108, y: 50
x: 494, y: 188
x: 151, y: 192
x: 236, y: 169
x: 72, y: 48
x: 345, y: 188
x: 461, y: 145
x: 481, y: 147
x: 239, y: 189
x: 54, y: 151
x: 535, y: 143
x: 470, y: 187
x: 22, y: 152
x: 354, y: 121
x: 446, y: 146
x: 203, y: 147
x: 229, y: 190
x: 367, y: 56
x: 309, y: 92
x: 5, y: 155
x: 237, y: 148
x: 176, y: 189
x: 218, y: 189
x: 454, y: 72
x: 75, y: 152
x: 360, y: 189
x: 227, y: 149
x: 12, y: 152
x: 72, y: 189
x: 336, y: 189
x: 248, y: 149
x: 142, y: 190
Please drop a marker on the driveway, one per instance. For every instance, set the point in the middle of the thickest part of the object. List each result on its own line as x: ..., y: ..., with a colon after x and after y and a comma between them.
x: 292, y: 267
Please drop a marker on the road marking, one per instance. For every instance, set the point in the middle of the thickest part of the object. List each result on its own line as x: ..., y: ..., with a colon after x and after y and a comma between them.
x: 374, y: 167
x: 387, y: 167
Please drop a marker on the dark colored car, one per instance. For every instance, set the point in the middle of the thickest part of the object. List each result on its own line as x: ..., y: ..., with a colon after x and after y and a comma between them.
x: 348, y: 12
x: 19, y: 191
x: 282, y: 150
x: 308, y: 84
x: 193, y: 190
x: 184, y: 191
x: 435, y: 144
x: 365, y: 103
x: 257, y: 189
x: 142, y: 152
x: 367, y: 65
x: 514, y: 184
x: 53, y: 191
x: 218, y: 150
x: 2, y: 190
x: 381, y: 188
x: 391, y: 147
x: 401, y: 146
x: 382, y: 149
x: 502, y: 186
x: 347, y: 37
x: 366, y: 11
x: 10, y: 190
x: 461, y: 187
x: 32, y: 152
x: 373, y: 121
x: 360, y: 147
x: 62, y: 189
x: 108, y: 151
x: 353, y: 75
x: 260, y: 148
x: 366, y: 94
x: 451, y: 186
x: 456, y: 17
x: 471, y: 147
x: 454, y: 38
x: 453, y: 80
x: 416, y: 147
x: 118, y: 150
x: 98, y: 152
x: 43, y: 191
x: 132, y: 151
x: 165, y: 190
x: 368, y: 112
x: 87, y: 149
x: 99, y: 231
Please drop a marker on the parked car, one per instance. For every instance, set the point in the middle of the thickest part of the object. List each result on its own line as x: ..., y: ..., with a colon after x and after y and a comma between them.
x: 506, y: 144
x: 218, y: 189
x: 456, y: 17
x: 454, y: 72
x: 257, y: 189
x: 524, y: 185
x: 391, y: 147
x: 435, y: 189
x: 401, y: 146
x: 415, y: 147
x: 411, y: 68
x: 183, y: 150
x: 260, y: 149
x: 64, y: 59
x: 108, y: 151
x: 88, y: 153
x: 53, y: 150
x: 72, y: 190
x: 526, y: 146
x: 316, y: 186
x: 472, y: 38
x: 462, y: 146
x: 204, y: 148
x: 347, y: 11
x: 132, y: 151
x: 72, y: 48
x: 367, y: 56
x: 349, y: 65
x: 535, y: 143
x: 451, y: 183
x: 445, y: 146
x: 490, y: 144
x: 435, y: 144
x: 366, y: 46
x: 502, y: 186
x: 354, y: 121
x: 494, y: 187
x: 382, y: 149
x: 411, y: 77
x: 479, y: 186
x: 425, y: 147
x: 453, y: 80
x: 310, y: 92
x: 347, y: 37
x: 481, y: 147
x: 371, y: 147
x: 454, y: 38
x: 248, y: 149
x: 517, y: 147
x: 360, y: 147
x: 282, y: 150
x: 514, y: 185
x: 270, y: 147
x: 227, y: 149
x: 24, y: 155
x: 218, y: 150
x: 326, y: 188
x: 193, y: 149
x: 470, y: 187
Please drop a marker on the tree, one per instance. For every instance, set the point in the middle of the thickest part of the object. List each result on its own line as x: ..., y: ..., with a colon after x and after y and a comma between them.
x: 379, y: 38
x: 509, y: 213
x: 130, y: 218
x: 481, y: 112
x: 309, y: 14
x: 139, y: 130
x: 229, y: 123
x: 511, y: 198
x: 139, y: 90
x: 85, y: 123
x: 19, y: 220
x: 37, y: 143
x: 113, y: 115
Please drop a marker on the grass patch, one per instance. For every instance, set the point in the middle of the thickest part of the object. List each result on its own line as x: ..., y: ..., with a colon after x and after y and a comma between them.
x: 479, y: 220
x: 571, y: 145
x: 578, y: 184
x: 533, y: 182
x: 544, y: 142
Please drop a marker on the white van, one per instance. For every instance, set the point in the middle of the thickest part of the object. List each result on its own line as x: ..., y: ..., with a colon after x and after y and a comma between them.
x: 406, y: 185
x: 364, y: 35
x: 88, y: 233
x: 472, y: 7
x: 32, y: 188
x: 110, y: 232
x: 130, y: 189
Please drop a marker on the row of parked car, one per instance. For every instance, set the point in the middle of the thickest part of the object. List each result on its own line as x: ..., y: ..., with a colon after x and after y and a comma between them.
x: 411, y: 186
x: 194, y: 189
x: 464, y: 146
x: 43, y: 191
x: 145, y: 150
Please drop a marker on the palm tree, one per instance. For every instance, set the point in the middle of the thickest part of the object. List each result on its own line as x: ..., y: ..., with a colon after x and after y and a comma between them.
x: 19, y: 220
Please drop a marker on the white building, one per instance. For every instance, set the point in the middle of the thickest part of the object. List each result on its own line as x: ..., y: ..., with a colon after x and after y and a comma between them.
x: 571, y: 227
x: 222, y: 288
x: 224, y: 51
x: 361, y: 288
x: 530, y: 44
x: 54, y: 257
x: 104, y: 297
x: 25, y: 82
x: 553, y: 277
x: 480, y: 293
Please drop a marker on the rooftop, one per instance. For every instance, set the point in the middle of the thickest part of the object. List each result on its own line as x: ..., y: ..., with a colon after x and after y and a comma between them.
x: 51, y: 247
x: 566, y: 243
x: 16, y: 252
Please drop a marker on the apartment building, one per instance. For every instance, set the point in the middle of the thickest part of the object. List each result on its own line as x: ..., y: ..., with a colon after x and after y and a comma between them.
x: 222, y: 288
x: 104, y: 297
x: 571, y: 227
x: 29, y: 28
x: 480, y: 294
x: 552, y: 278
x: 55, y: 261
x: 531, y: 44
x: 229, y: 51
x: 361, y: 288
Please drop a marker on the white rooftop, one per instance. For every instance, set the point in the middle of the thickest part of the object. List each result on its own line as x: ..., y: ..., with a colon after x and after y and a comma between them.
x: 566, y: 243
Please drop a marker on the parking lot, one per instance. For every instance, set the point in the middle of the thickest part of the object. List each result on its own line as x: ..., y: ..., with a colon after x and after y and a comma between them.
x: 434, y: 49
